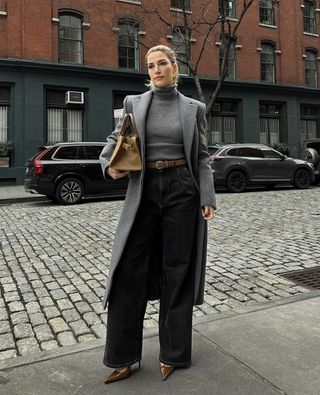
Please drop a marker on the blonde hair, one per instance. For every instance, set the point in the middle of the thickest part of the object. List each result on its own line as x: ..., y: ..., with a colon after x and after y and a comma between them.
x: 170, y: 53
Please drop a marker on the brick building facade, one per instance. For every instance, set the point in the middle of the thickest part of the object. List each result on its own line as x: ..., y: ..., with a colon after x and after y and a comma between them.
x: 96, y: 48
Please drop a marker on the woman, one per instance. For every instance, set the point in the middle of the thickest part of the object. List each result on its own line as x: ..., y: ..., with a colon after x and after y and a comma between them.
x: 160, y: 244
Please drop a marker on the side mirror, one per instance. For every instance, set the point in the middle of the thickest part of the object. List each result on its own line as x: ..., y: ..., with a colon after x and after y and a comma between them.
x: 283, y: 157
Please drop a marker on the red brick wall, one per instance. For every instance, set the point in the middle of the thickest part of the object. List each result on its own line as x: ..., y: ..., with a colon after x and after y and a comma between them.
x: 28, y: 32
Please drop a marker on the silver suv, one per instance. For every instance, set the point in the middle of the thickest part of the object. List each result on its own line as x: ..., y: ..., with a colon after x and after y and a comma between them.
x: 237, y: 166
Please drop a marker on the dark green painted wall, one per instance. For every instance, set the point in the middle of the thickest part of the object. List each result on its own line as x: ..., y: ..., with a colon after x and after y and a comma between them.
x: 27, y: 114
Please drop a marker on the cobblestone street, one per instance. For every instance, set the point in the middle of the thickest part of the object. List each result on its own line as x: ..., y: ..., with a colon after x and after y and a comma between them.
x: 53, y: 263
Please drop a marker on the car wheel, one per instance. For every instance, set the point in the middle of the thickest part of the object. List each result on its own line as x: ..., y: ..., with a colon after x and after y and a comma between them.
x: 70, y: 191
x: 236, y: 182
x: 302, y: 179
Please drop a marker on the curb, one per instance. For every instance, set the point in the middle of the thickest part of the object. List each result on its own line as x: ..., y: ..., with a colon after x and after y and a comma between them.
x: 24, y: 200
x: 42, y: 356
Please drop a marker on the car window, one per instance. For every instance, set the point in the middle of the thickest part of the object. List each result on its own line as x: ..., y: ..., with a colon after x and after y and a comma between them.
x: 66, y: 152
x: 250, y: 152
x: 232, y: 152
x: 81, y: 153
x: 212, y: 150
x: 93, y: 151
x: 270, y: 153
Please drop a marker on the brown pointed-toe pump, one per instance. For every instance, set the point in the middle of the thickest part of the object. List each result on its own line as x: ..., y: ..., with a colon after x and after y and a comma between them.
x: 166, y: 370
x: 117, y: 375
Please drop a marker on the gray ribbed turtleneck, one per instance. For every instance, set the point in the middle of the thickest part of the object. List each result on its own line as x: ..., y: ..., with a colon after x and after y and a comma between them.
x: 164, y: 138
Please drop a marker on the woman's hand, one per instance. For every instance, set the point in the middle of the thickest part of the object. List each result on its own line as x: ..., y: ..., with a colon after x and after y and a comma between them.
x: 115, y: 174
x: 208, y: 212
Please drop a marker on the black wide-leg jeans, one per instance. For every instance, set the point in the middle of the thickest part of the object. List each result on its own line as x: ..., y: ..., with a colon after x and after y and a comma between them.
x: 169, y: 206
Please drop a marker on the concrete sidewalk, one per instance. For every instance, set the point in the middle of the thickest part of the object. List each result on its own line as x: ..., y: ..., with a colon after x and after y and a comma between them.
x: 270, y: 349
x: 16, y: 193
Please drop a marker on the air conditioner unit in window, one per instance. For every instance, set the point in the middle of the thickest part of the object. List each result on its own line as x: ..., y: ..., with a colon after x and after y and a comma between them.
x: 74, y: 97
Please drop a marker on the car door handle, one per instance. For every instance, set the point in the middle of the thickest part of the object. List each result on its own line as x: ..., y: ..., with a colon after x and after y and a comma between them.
x: 83, y: 165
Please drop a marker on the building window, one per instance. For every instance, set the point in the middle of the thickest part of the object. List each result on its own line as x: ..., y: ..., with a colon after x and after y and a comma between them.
x: 118, y: 98
x: 180, y: 4
x: 309, y: 17
x: 70, y: 39
x: 231, y: 9
x: 4, y: 114
x: 222, y: 124
x: 267, y: 12
x: 128, y: 45
x: 270, y: 115
x: 64, y: 122
x: 268, y: 73
x: 180, y: 44
x: 311, y: 69
x: 309, y: 116
x: 230, y: 61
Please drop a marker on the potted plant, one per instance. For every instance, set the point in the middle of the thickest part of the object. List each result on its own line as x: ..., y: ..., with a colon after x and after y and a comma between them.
x: 5, y: 150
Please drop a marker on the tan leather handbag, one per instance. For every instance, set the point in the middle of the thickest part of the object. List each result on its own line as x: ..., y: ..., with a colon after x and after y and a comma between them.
x: 126, y: 155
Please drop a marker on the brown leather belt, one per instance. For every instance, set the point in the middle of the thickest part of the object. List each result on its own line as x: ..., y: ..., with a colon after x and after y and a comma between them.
x: 165, y: 164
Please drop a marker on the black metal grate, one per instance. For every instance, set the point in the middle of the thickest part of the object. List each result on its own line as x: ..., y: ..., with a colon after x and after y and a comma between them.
x: 309, y: 278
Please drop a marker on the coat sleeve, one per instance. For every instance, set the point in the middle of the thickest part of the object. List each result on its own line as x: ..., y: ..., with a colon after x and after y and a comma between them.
x: 111, y: 142
x: 207, y: 192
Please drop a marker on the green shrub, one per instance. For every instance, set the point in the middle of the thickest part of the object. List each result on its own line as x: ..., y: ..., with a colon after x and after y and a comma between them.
x: 5, y: 148
x: 281, y: 147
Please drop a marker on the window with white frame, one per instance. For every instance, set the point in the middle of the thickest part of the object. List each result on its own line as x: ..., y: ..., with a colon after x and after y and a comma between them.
x: 309, y: 17
x: 70, y: 38
x: 222, y: 123
x: 230, y: 61
x: 180, y: 44
x: 231, y: 11
x: 270, y: 115
x: 128, y: 45
x: 309, y: 118
x: 4, y: 113
x: 311, y: 69
x: 267, y: 63
x: 64, y: 122
x: 266, y: 8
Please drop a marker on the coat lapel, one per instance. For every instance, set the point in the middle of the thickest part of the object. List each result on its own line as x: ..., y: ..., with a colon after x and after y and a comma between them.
x: 188, y: 113
x: 140, y: 106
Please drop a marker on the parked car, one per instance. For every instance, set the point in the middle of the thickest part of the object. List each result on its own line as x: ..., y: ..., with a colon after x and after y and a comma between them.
x: 237, y: 166
x: 212, y: 149
x: 67, y: 172
x: 311, y: 153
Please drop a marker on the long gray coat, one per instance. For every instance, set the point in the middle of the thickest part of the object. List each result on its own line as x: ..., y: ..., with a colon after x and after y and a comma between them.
x: 193, y: 121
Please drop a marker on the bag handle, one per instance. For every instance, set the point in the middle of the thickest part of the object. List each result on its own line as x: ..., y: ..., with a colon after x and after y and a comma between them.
x: 129, y: 121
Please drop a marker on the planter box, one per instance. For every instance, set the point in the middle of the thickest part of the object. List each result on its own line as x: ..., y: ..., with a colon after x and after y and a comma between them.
x: 4, y: 161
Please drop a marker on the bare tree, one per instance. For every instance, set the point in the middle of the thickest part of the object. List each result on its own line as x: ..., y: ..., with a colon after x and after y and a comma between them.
x: 203, y: 25
x: 209, y: 19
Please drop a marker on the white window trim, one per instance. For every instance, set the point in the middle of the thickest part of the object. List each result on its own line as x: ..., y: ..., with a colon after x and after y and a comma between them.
x: 130, y: 1
x: 266, y: 25
x: 311, y: 34
x: 180, y: 10
x: 3, y: 13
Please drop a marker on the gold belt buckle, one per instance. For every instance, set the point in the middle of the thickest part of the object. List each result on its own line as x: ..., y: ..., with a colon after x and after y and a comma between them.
x: 159, y: 164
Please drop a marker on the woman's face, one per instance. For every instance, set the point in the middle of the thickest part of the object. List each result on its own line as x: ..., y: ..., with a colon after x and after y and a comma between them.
x: 160, y: 69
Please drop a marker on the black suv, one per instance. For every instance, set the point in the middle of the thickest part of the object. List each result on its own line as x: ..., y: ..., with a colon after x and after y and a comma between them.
x: 68, y: 171
x: 236, y: 166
